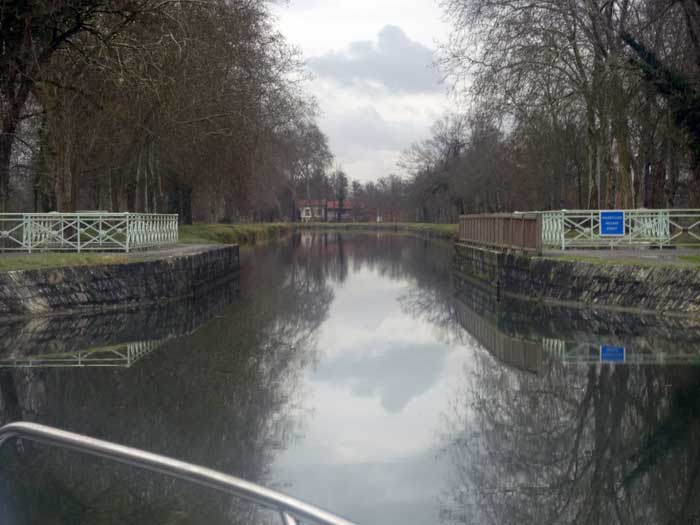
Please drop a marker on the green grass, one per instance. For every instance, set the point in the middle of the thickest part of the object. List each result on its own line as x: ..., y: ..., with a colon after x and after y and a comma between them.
x: 253, y: 233
x: 232, y: 234
x: 682, y: 261
x: 59, y: 260
x: 604, y: 261
x: 446, y: 231
x: 692, y: 259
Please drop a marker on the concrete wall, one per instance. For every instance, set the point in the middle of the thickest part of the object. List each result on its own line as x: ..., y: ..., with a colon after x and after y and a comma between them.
x: 650, y: 289
x: 93, y: 288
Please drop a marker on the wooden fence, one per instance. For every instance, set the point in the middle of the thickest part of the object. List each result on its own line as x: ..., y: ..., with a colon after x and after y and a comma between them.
x: 518, y: 231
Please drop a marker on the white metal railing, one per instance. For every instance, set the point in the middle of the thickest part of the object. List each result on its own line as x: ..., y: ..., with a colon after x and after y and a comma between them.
x: 290, y: 510
x: 582, y: 228
x: 86, y: 231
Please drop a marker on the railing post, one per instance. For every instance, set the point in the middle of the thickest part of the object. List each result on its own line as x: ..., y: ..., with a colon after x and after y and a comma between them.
x: 562, y: 225
x: 512, y: 232
x: 100, y: 221
x: 27, y: 231
x: 128, y: 233
x: 77, y: 226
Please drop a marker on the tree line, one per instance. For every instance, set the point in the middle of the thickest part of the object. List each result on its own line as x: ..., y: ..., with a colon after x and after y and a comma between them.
x: 198, y: 108
x: 571, y: 104
x: 154, y: 106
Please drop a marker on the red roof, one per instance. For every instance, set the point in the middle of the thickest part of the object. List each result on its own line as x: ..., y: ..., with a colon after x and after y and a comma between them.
x: 331, y: 205
x: 335, y: 205
x: 302, y: 203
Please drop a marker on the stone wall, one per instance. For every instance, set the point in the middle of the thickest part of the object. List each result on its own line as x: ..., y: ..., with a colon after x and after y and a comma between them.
x: 118, y: 286
x: 51, y: 334
x: 537, y: 320
x: 480, y: 263
x: 648, y: 289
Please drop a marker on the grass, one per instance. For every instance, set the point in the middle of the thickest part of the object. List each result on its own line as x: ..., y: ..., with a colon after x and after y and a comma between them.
x: 59, y: 260
x: 232, y: 234
x: 692, y: 259
x: 253, y: 233
x: 605, y: 261
x: 446, y: 231
x: 682, y: 261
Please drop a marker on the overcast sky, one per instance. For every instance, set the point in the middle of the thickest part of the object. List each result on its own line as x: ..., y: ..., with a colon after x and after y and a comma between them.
x: 373, y: 74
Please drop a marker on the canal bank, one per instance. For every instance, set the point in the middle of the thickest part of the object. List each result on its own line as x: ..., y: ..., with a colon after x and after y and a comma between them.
x: 250, y: 234
x: 157, y: 277
x: 423, y: 230
x: 667, y: 289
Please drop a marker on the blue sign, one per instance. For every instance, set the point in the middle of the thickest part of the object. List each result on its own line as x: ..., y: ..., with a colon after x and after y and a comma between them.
x: 612, y: 223
x: 612, y: 354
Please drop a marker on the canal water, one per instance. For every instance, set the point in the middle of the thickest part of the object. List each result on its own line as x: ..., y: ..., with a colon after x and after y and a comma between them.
x: 355, y: 372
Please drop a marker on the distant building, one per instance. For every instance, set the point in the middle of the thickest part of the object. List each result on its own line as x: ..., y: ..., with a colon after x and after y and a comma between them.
x: 381, y: 215
x: 330, y: 211
x: 325, y: 211
x: 336, y: 213
x: 312, y: 210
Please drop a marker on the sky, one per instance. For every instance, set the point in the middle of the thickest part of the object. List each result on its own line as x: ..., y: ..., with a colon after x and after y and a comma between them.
x: 373, y: 75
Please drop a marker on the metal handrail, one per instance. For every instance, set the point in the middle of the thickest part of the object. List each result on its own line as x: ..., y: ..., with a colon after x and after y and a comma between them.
x: 564, y: 229
x: 86, y: 231
x: 289, y: 508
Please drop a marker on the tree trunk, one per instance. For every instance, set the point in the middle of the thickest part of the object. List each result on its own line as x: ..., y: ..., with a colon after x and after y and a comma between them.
x: 593, y: 161
x: 7, y: 137
x: 185, y: 210
x: 15, y: 99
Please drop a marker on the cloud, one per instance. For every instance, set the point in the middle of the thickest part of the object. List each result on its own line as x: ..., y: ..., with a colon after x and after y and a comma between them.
x: 404, y: 491
x: 397, y: 374
x: 364, y: 128
x: 393, y: 62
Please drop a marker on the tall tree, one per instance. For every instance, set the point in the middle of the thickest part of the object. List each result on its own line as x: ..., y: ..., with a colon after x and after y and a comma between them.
x: 31, y: 34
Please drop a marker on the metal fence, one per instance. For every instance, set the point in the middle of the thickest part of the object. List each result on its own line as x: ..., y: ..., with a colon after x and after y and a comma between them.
x: 585, y: 228
x: 517, y: 231
x: 89, y: 231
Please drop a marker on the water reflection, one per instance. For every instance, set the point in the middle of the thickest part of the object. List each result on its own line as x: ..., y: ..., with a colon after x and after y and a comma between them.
x: 545, y: 431
x: 121, y: 356
x: 223, y: 396
x: 113, y: 339
x: 356, y: 372
x: 368, y: 450
x: 520, y: 333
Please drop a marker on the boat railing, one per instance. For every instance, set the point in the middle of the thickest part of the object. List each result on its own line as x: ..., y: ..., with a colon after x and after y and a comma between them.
x: 290, y: 509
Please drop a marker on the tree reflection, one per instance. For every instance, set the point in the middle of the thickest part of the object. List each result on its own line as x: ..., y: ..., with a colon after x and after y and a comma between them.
x: 533, y: 439
x: 602, y: 444
x: 225, y: 396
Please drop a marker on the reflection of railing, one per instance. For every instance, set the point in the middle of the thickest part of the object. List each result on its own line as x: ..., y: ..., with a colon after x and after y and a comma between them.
x: 88, y: 231
x: 119, y: 357
x: 582, y: 228
x: 518, y: 231
x: 290, y: 509
x: 588, y: 353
